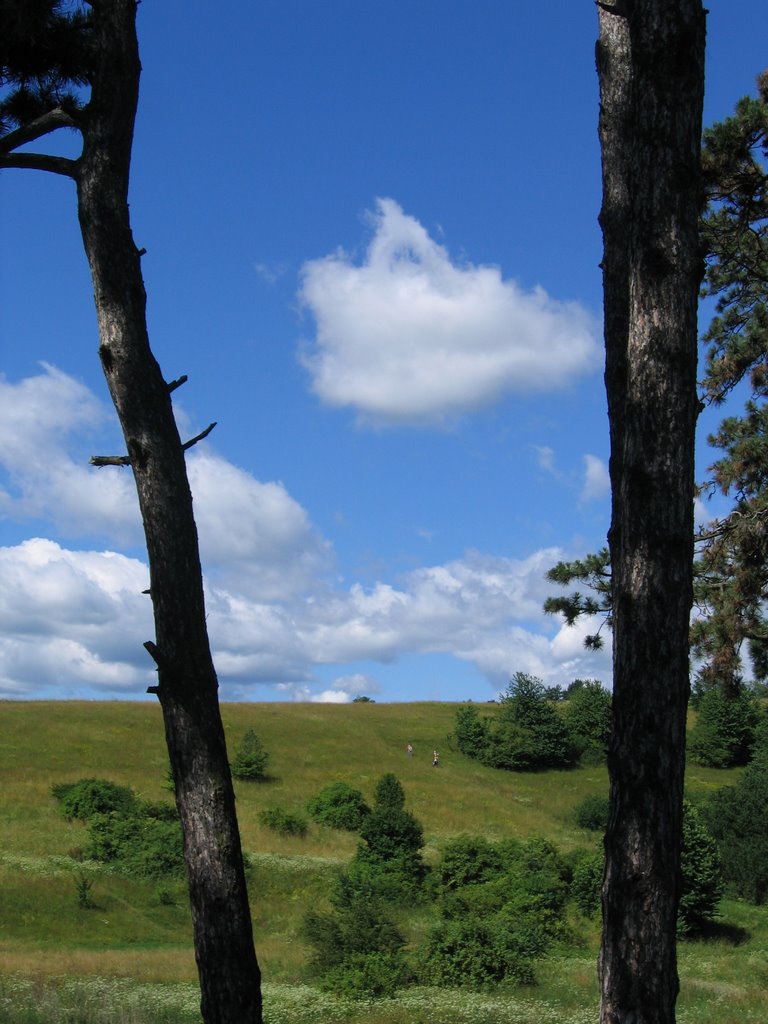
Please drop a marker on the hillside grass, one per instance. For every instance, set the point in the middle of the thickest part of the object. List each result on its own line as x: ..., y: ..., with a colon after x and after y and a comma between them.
x: 138, y: 933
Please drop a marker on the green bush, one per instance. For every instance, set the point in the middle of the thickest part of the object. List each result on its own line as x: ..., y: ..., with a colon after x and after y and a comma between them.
x: 467, y: 860
x: 389, y: 793
x: 724, y: 732
x: 340, y: 806
x: 588, y: 717
x: 592, y: 813
x: 146, y: 843
x: 88, y: 797
x: 471, y: 733
x: 527, y: 732
x: 701, y: 870
x: 392, y: 840
x: 737, y: 816
x: 501, y: 906
x: 367, y: 976
x: 284, y: 822
x: 356, y: 948
x: 250, y: 761
x: 586, y: 883
x: 477, y: 953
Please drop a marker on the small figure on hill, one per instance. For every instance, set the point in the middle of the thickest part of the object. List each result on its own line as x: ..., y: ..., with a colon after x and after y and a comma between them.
x: 409, y: 750
x: 435, y: 759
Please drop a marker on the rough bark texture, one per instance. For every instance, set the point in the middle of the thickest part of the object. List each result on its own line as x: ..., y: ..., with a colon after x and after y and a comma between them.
x: 187, y: 684
x: 650, y: 58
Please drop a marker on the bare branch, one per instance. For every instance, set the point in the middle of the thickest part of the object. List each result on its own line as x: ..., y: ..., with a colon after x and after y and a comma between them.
x: 43, y: 125
x: 199, y: 437
x: 41, y: 162
x: 125, y: 460
x: 109, y: 460
x: 177, y: 383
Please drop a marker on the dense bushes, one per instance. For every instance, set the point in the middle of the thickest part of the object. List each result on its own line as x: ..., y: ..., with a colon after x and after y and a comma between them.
x: 588, y: 718
x: 501, y: 906
x: 357, y: 948
x: 529, y: 732
x: 737, y: 816
x: 87, y: 797
x: 388, y: 861
x: 724, y: 732
x: 145, y: 843
x: 133, y: 836
x: 340, y: 806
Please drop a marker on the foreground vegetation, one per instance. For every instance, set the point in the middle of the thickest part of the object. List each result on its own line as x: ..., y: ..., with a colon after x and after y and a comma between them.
x: 127, y: 955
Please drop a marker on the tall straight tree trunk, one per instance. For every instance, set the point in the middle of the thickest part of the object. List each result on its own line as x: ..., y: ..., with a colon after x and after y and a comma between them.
x: 187, y: 684
x: 650, y: 58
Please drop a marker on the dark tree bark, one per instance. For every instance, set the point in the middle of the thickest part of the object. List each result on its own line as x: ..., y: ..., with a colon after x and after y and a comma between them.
x: 650, y: 58
x: 187, y: 685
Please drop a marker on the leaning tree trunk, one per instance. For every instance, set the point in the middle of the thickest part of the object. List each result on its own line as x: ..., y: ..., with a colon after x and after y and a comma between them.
x: 187, y: 685
x: 650, y: 59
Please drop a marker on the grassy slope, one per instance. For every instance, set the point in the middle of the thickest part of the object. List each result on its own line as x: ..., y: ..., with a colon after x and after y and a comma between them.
x: 131, y: 933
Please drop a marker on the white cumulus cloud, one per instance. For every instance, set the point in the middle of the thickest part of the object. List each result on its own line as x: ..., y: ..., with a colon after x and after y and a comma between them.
x: 39, y: 419
x: 408, y: 336
x: 74, y: 621
x: 597, y: 482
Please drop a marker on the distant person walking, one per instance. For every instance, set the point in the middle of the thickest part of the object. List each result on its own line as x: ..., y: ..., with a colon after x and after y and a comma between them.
x: 435, y: 759
x: 409, y: 750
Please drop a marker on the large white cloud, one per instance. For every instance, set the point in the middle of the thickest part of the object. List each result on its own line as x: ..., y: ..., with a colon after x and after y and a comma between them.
x: 408, y: 336
x: 39, y: 418
x: 74, y: 621
x: 254, y: 537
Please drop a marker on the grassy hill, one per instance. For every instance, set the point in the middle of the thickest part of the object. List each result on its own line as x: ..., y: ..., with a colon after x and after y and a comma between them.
x: 140, y: 931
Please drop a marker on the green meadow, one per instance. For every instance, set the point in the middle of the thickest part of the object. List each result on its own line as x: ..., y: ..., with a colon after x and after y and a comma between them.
x: 128, y: 957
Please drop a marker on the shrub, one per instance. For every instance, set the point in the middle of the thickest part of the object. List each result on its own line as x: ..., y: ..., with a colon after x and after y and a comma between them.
x: 701, y: 870
x: 340, y: 806
x: 88, y: 797
x: 548, y: 743
x: 702, y: 881
x: 588, y: 717
x: 586, y: 882
x: 83, y: 887
x: 389, y: 793
x: 467, y: 860
x: 527, y: 733
x: 724, y: 731
x: 501, y: 907
x: 476, y: 953
x: 147, y: 843
x: 250, y: 761
x: 284, y: 822
x: 592, y: 813
x: 367, y: 976
x: 737, y: 816
x: 392, y: 843
x: 357, y: 948
x: 471, y: 733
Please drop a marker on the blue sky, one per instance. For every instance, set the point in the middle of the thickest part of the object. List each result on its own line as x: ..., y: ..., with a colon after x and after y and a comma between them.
x: 372, y: 244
